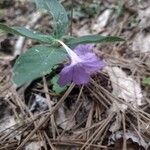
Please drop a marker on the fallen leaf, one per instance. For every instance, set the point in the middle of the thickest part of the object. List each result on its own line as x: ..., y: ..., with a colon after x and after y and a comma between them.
x: 7, y: 122
x: 64, y: 118
x: 115, y: 126
x: 101, y: 21
x: 144, y: 16
x: 141, y: 42
x: 128, y: 135
x: 36, y: 145
x: 40, y: 104
x: 125, y: 87
x: 7, y: 119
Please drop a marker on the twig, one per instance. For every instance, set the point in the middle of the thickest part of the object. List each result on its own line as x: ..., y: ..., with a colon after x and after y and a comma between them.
x: 97, y: 132
x: 75, y: 112
x: 45, y: 119
x: 49, y: 141
x: 124, y: 132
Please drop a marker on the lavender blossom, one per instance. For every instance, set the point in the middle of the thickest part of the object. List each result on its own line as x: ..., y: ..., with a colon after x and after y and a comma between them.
x: 83, y: 63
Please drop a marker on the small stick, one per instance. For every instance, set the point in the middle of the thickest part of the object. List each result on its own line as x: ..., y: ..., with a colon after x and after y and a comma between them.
x: 124, y: 132
x: 45, y: 119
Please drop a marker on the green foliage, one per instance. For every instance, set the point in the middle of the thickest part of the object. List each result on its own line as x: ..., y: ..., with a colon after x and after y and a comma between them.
x: 36, y: 62
x: 27, y: 33
x: 146, y: 81
x: 56, y: 88
x: 86, y: 10
x: 92, y: 39
x: 59, y: 14
x: 40, y: 60
x: 119, y: 8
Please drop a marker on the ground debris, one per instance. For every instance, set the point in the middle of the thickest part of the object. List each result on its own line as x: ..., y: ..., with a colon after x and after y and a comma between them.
x: 125, y: 87
x: 94, y: 116
x: 129, y: 135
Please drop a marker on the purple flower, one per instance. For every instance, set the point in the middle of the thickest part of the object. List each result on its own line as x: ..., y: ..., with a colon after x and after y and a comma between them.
x: 83, y: 63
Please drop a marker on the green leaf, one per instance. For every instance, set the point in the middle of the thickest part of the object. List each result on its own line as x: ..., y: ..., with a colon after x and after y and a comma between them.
x: 59, y: 14
x: 146, y: 81
x: 39, y: 4
x: 92, y: 39
x: 56, y: 88
x: 36, y: 62
x: 27, y: 33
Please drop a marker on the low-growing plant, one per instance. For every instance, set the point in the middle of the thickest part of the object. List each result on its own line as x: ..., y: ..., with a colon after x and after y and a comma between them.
x: 55, y: 48
x: 146, y: 81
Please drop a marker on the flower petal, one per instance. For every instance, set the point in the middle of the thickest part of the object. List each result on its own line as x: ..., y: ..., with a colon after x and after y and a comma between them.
x: 83, y: 49
x: 92, y: 63
x: 79, y: 71
x: 94, y: 66
x: 80, y: 76
x: 66, y: 75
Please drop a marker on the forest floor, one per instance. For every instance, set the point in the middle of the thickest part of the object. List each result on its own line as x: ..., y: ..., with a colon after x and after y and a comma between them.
x: 111, y: 112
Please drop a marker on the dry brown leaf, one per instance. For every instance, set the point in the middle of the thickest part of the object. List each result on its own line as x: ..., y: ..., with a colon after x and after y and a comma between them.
x: 115, y: 126
x: 124, y: 87
x: 40, y: 104
x: 64, y: 118
x: 7, y: 122
x: 144, y: 16
x: 101, y: 21
x: 141, y: 43
x: 36, y: 145
x: 128, y: 135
